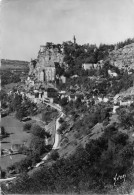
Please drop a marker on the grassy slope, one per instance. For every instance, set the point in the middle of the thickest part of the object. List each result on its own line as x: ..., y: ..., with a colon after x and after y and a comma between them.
x: 17, y: 135
x: 7, y: 161
x: 15, y: 128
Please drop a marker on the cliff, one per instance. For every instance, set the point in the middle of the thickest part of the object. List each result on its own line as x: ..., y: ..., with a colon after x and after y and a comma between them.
x: 44, y: 67
x: 123, y: 57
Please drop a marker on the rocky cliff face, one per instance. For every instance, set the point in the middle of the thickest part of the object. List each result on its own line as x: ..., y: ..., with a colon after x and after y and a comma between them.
x: 124, y: 57
x: 44, y: 68
x: 47, y: 56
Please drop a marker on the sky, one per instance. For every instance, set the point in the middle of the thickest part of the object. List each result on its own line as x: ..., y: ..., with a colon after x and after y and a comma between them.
x: 27, y: 24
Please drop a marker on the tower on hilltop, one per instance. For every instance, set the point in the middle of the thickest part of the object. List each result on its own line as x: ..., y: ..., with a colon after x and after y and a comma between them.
x: 74, y: 40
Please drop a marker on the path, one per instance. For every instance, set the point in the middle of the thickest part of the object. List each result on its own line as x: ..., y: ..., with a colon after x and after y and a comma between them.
x: 57, y: 135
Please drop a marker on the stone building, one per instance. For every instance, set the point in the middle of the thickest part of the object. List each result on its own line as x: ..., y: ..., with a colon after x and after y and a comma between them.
x: 44, y: 67
x: 87, y: 66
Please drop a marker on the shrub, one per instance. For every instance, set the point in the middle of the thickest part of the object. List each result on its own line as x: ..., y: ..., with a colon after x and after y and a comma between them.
x: 37, y: 145
x: 61, y: 120
x: 23, y: 150
x: 78, y: 134
x: 62, y: 128
x: 35, y: 158
x: 21, y: 112
x: 22, y: 178
x: 27, y: 127
x: 2, y: 173
x: 64, y: 101
x: 74, y: 143
x: 105, y: 122
x: 3, y: 132
x: 38, y: 131
x: 54, y: 155
x: 46, y: 116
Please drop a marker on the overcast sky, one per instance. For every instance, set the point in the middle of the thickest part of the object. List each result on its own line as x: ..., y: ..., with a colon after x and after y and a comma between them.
x: 27, y: 24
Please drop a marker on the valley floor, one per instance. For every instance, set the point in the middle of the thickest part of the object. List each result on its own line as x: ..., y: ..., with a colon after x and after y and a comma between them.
x: 16, y: 136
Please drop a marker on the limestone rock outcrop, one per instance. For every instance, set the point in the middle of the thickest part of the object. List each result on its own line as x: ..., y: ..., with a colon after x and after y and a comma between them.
x: 123, y: 57
x: 44, y: 67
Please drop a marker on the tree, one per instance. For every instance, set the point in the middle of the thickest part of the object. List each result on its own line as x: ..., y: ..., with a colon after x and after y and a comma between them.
x: 54, y: 155
x: 62, y: 128
x: 21, y: 112
x: 2, y: 173
x: 3, y: 132
x: 126, y: 117
x: 27, y: 127
x: 64, y: 101
x: 21, y: 183
x: 37, y: 145
x: 61, y: 120
x: 38, y: 131
x: 24, y: 108
x: 17, y: 100
x: 3, y: 99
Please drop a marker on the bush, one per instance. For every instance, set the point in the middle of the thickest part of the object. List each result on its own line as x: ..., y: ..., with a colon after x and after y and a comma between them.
x: 46, y: 116
x: 125, y: 117
x: 38, y: 131
x: 61, y: 120
x: 3, y: 132
x: 37, y: 145
x: 2, y: 173
x: 78, y: 134
x: 105, y: 122
x: 74, y: 143
x: 35, y: 159
x: 54, y: 155
x: 23, y: 150
x: 22, y: 178
x: 64, y: 101
x: 27, y: 127
x: 62, y: 128
x: 21, y: 112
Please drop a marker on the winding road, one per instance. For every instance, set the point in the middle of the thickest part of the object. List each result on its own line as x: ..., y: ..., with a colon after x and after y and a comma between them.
x: 57, y: 135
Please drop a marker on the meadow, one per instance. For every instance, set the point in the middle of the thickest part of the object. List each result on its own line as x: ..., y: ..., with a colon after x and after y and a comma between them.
x: 16, y: 136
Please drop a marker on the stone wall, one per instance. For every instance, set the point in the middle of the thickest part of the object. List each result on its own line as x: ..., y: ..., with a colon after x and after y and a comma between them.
x: 124, y: 57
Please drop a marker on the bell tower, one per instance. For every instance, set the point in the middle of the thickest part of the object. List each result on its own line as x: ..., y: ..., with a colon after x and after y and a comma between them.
x: 74, y: 39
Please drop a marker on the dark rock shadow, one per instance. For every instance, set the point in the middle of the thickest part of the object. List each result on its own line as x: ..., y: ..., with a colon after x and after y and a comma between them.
x: 4, y: 142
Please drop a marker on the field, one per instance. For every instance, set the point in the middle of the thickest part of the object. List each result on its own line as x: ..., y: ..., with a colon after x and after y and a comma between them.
x: 17, y: 136
x: 7, y: 161
x: 13, y: 64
